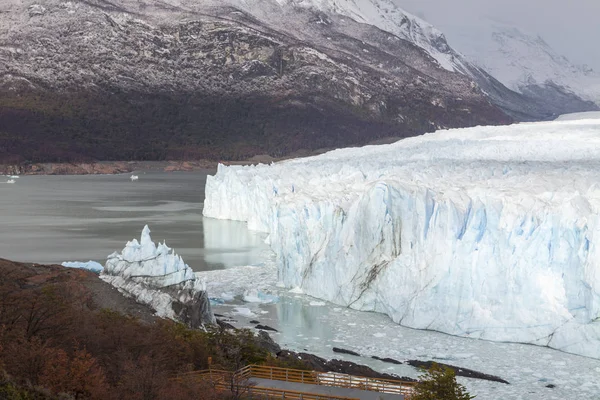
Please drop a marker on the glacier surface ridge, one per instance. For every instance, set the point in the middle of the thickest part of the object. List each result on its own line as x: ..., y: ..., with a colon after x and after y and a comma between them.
x: 487, y: 232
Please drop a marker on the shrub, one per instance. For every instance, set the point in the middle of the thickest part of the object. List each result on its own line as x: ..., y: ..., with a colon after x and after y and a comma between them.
x: 439, y: 383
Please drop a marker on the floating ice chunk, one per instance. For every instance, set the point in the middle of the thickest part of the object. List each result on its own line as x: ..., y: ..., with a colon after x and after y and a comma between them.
x: 296, y: 290
x: 244, y: 312
x: 89, y: 265
x: 256, y: 296
x: 216, y: 301
x: 227, y: 296
x: 317, y: 303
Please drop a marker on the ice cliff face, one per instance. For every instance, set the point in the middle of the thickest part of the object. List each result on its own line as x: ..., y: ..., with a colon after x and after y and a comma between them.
x: 488, y: 232
x: 156, y: 276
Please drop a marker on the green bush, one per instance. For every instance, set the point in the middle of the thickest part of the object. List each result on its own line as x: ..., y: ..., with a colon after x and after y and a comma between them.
x: 439, y: 383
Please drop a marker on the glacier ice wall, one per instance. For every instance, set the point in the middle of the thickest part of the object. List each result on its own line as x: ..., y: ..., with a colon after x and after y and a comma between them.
x: 487, y: 232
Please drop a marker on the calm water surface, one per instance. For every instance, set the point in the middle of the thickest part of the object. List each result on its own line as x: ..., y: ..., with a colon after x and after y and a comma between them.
x: 51, y: 219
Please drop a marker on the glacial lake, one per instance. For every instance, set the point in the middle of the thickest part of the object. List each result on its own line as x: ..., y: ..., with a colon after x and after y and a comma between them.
x: 51, y: 219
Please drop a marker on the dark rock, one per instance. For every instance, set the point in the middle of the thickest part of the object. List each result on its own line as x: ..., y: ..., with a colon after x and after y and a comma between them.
x: 344, y: 367
x: 344, y: 351
x: 387, y: 360
x: 265, y: 341
x: 194, y: 312
x: 252, y: 321
x: 551, y: 386
x: 219, y: 315
x: 459, y: 371
x: 266, y: 328
x: 224, y: 325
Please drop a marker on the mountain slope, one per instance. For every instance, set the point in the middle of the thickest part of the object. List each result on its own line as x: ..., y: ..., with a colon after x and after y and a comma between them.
x: 153, y: 80
x: 525, y: 63
x: 525, y: 102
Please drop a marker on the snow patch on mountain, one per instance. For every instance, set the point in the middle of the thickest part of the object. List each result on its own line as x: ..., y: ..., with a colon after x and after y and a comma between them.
x: 488, y: 232
x: 387, y: 16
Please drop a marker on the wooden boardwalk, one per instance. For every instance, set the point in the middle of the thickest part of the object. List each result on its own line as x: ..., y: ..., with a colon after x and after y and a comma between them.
x: 321, y: 391
x: 266, y: 382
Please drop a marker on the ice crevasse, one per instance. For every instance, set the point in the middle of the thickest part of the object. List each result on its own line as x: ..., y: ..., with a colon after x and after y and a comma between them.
x: 486, y: 232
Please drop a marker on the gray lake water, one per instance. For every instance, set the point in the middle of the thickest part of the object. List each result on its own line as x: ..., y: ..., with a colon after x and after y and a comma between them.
x: 51, y: 219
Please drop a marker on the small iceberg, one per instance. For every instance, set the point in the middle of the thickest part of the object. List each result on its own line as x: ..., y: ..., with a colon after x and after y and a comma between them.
x: 155, y: 275
x: 89, y: 265
x: 10, y: 181
x: 256, y: 296
x: 134, y: 178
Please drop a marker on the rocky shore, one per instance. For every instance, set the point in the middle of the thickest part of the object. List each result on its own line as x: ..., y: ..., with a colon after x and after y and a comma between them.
x: 104, y: 167
x: 100, y: 295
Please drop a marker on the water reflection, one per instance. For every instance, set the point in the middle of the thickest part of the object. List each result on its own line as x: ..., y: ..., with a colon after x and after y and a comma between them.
x: 230, y: 243
x: 295, y: 316
x: 50, y: 219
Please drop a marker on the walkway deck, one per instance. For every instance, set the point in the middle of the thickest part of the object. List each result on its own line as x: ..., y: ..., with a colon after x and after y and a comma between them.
x: 273, y: 383
x: 324, y: 390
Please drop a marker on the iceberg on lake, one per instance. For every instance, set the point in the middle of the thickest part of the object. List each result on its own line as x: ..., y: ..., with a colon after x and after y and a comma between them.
x: 156, y: 276
x: 486, y: 232
x: 88, y: 265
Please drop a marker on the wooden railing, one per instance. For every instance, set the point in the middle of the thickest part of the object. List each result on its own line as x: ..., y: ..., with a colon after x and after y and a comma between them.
x: 363, y: 383
x: 242, y: 378
x: 279, y: 374
x: 328, y: 379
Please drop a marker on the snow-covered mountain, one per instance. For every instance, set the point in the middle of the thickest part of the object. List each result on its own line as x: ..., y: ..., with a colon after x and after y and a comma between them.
x: 156, y: 79
x: 486, y: 232
x: 542, y: 102
x: 228, y: 79
x: 523, y: 61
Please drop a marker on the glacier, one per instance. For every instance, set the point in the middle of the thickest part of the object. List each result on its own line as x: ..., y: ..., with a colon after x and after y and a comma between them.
x: 156, y: 276
x: 486, y: 232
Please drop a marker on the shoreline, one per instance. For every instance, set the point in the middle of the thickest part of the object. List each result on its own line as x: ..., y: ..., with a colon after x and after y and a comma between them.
x: 107, y: 167
x: 106, y: 297
x: 124, y: 167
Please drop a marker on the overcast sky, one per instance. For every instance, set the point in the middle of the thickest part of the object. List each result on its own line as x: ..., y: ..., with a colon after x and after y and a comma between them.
x: 571, y: 27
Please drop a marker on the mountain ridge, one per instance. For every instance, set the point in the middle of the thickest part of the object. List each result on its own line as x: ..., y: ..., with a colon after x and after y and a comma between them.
x: 94, y: 80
